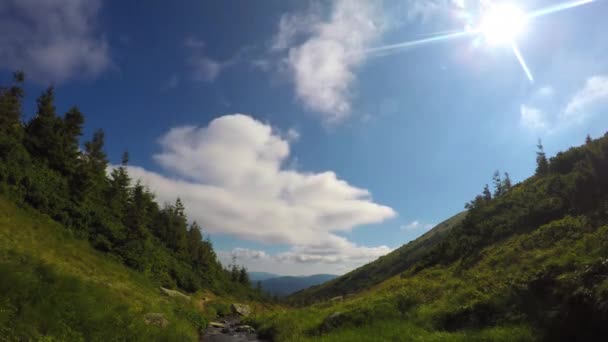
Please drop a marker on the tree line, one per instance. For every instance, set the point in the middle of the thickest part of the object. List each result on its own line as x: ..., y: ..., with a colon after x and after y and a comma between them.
x: 44, y: 165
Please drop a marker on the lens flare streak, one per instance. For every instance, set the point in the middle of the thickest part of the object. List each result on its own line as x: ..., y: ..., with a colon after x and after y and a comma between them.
x: 521, y: 60
x: 558, y: 8
x: 417, y: 42
x: 480, y: 31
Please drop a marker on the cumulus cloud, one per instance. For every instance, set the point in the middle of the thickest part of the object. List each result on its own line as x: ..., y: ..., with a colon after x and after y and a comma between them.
x: 415, y: 225
x: 532, y: 117
x: 246, y: 253
x: 232, y: 175
x: 594, y: 92
x: 541, y: 113
x: 53, y: 40
x: 323, y: 54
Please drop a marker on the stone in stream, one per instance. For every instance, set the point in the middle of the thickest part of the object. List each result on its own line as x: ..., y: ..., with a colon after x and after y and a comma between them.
x: 245, y: 329
x: 217, y: 324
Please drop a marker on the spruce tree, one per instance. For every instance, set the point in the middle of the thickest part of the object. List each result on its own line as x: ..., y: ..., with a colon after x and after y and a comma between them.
x: 506, y: 183
x: 498, y: 189
x: 542, y: 165
x: 487, y: 195
x: 243, y: 276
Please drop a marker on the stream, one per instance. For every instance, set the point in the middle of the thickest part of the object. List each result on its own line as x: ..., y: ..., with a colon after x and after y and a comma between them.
x: 229, y: 331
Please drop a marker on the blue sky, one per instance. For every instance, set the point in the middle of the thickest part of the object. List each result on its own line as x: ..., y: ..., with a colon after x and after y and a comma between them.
x: 298, y: 149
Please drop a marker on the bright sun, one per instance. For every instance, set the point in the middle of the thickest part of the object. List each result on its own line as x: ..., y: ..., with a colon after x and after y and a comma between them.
x: 502, y: 23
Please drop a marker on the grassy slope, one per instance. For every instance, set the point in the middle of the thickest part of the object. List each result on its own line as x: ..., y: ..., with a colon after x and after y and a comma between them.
x: 456, y: 304
x: 381, y: 269
x: 56, y: 287
x: 529, y: 265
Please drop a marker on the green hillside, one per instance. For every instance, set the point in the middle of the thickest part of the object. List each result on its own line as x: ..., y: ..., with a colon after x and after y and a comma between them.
x: 84, y: 249
x: 56, y: 287
x: 529, y: 262
x: 375, y: 272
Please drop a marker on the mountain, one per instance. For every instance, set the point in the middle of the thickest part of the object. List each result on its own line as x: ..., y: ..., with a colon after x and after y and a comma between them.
x: 526, y: 262
x: 383, y: 268
x: 282, y: 286
x: 259, y: 276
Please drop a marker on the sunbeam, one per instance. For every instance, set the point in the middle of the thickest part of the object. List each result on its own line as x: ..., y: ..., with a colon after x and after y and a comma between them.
x: 498, y: 24
x: 412, y: 43
x: 558, y: 7
x: 522, y: 62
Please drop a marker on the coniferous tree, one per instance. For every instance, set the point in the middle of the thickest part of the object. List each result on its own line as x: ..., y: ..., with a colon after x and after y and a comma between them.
x: 43, y: 131
x: 118, y: 196
x: 10, y: 107
x: 588, y: 139
x: 506, y: 183
x: 542, y: 165
x: 243, y: 276
x: 487, y: 195
x: 498, y: 188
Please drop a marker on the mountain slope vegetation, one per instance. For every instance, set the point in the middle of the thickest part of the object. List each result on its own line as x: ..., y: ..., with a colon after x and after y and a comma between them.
x: 384, y: 267
x: 528, y: 262
x: 84, y: 249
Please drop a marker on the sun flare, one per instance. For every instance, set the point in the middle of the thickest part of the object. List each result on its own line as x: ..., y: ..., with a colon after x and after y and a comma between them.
x: 502, y: 24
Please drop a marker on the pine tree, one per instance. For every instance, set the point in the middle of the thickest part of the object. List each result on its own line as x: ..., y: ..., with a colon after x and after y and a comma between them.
x: 506, y: 183
x: 195, y: 246
x: 10, y: 107
x: 42, y: 132
x: 542, y: 165
x: 119, y: 194
x: 487, y: 195
x: 92, y: 164
x: 498, y: 189
x: 588, y: 139
x: 243, y: 276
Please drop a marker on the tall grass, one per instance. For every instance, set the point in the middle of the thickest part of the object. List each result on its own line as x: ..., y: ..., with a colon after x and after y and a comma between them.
x: 55, y: 287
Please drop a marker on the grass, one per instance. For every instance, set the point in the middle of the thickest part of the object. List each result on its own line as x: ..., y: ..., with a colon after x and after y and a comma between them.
x: 504, y: 296
x: 384, y: 267
x: 56, y: 287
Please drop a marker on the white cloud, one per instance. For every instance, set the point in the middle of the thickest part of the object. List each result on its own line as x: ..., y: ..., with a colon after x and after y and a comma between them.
x: 205, y: 69
x: 546, y: 91
x: 532, y: 117
x: 303, y: 260
x: 53, y: 40
x: 246, y: 253
x: 542, y: 113
x: 232, y: 175
x: 323, y: 64
x: 415, y: 225
x: 593, y: 93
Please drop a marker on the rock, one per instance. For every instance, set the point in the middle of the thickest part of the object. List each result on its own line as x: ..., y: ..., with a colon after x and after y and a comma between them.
x: 245, y: 329
x: 337, y: 299
x: 174, y: 294
x: 157, y: 319
x: 240, y: 309
x: 332, y: 321
x: 226, y: 330
x: 217, y: 325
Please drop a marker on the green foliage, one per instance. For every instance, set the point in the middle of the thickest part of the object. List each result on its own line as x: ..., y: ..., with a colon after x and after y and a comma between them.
x: 42, y: 166
x: 528, y: 263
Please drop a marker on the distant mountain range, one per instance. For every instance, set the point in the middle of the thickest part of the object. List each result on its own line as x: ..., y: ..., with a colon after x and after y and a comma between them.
x: 275, y: 284
x: 259, y: 276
